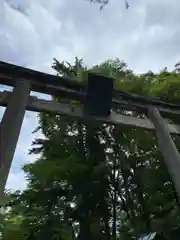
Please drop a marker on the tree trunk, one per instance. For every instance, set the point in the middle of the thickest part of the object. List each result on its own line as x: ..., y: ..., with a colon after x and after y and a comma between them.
x: 106, y: 224
x: 84, y: 229
x: 114, y: 215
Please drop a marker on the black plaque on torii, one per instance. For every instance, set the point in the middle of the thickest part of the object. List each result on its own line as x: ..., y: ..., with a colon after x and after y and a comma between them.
x: 99, y: 96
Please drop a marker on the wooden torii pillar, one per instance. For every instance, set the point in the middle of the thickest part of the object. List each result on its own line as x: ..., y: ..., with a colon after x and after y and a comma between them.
x: 166, y: 146
x: 10, y: 129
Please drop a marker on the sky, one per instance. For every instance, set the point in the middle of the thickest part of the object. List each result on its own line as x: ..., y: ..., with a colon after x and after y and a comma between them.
x: 33, y: 32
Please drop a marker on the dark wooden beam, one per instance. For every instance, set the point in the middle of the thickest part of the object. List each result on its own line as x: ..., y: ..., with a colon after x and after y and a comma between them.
x: 72, y: 89
x: 14, y: 72
x: 50, y: 89
x: 40, y: 105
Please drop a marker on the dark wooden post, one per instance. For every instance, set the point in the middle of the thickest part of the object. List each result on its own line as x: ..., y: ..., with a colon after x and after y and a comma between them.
x: 167, y: 147
x: 10, y: 129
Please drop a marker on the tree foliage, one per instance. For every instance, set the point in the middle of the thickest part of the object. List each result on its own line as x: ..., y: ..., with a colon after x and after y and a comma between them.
x: 98, y: 181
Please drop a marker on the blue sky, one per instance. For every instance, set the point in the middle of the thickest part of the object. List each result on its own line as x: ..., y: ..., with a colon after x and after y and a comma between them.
x: 33, y: 32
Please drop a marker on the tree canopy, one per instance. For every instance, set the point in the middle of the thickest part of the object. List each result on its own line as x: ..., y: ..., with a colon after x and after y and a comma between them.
x: 94, y: 180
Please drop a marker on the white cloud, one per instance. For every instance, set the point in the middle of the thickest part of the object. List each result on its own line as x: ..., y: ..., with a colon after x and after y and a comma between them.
x: 32, y: 32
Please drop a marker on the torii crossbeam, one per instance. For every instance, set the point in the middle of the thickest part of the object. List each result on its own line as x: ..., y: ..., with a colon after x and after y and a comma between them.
x: 17, y: 102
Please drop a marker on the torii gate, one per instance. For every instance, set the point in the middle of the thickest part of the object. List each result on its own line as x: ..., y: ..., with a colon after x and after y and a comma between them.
x: 25, y: 80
